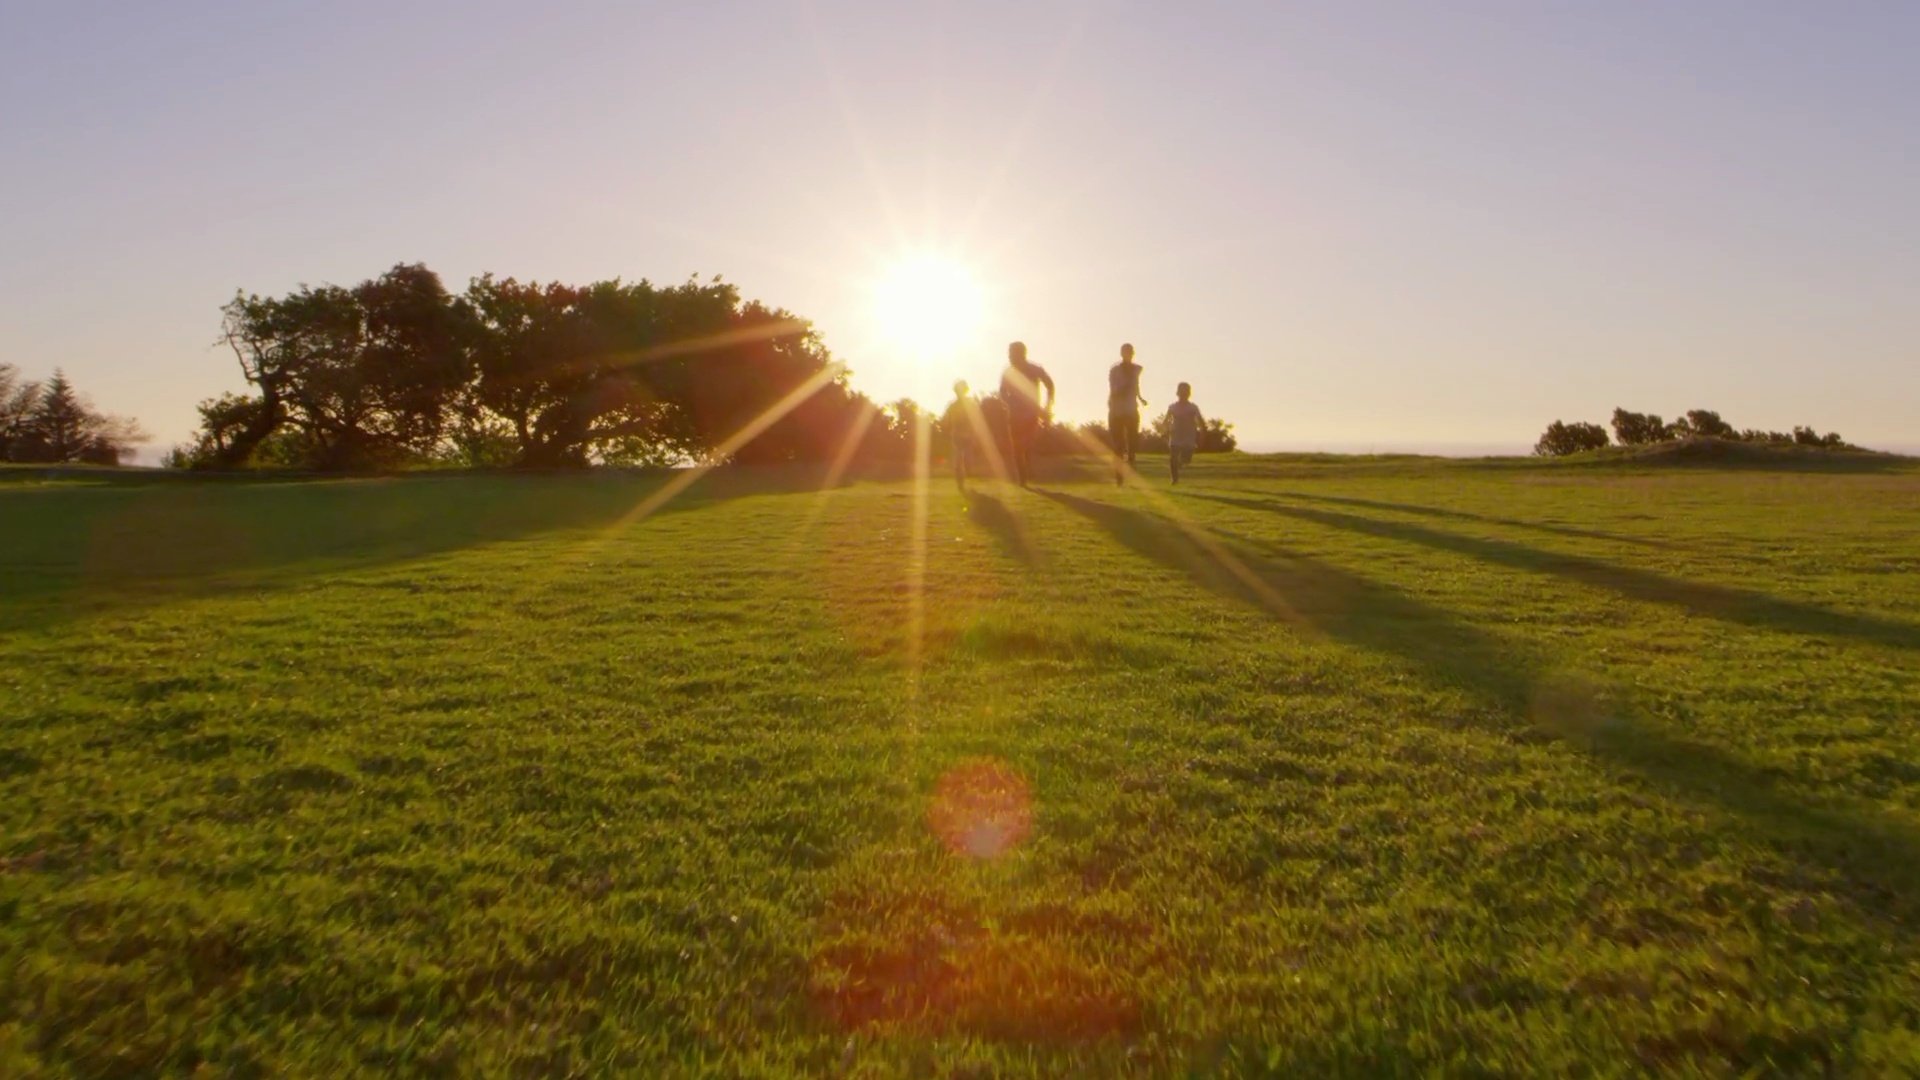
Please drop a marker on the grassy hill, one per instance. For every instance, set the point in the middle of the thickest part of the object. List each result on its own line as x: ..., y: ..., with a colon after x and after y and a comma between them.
x: 1307, y: 766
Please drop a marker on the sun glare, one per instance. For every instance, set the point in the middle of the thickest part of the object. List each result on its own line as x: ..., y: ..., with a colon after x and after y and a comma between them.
x: 927, y: 306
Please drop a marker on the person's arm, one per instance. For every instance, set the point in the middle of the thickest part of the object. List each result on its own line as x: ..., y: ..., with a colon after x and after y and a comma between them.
x: 1046, y: 380
x: 1136, y: 387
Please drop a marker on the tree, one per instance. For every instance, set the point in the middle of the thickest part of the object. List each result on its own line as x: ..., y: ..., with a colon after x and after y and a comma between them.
x: 17, y: 399
x: 366, y: 374
x: 224, y: 422
x: 1703, y: 423
x: 1561, y: 439
x: 1217, y: 437
x: 1638, y: 429
x: 1806, y: 436
x: 59, y: 425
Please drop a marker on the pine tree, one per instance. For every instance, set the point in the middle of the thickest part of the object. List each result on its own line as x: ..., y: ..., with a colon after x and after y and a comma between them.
x: 61, y: 427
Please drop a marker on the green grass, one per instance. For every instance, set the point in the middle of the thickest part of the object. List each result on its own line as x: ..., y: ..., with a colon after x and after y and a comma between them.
x: 1399, y: 767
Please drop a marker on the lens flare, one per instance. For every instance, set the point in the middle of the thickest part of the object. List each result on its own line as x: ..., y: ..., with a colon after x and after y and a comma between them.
x: 981, y: 809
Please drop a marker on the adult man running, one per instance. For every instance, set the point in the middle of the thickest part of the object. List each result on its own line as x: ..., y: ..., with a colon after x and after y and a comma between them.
x: 1020, y: 392
x: 1123, y: 410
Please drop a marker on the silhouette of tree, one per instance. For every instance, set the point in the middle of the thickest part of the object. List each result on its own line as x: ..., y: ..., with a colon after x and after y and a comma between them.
x: 1638, y: 429
x: 17, y: 399
x: 53, y: 423
x: 1561, y: 439
x: 1703, y: 423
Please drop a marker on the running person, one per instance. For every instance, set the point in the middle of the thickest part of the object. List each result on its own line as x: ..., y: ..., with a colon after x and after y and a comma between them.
x: 1184, y: 424
x: 1123, y: 410
x: 1020, y: 392
x: 960, y: 422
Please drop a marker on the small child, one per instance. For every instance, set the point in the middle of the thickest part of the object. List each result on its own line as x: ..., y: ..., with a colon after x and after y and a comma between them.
x: 1184, y: 424
x: 960, y: 422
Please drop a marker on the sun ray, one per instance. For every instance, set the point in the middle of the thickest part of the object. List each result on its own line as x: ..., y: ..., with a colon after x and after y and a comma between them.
x: 810, y: 269
x: 989, y: 446
x: 917, y: 554
x: 861, y: 147
x: 1021, y: 129
x: 770, y: 416
x: 842, y: 458
x: 983, y: 437
x: 677, y: 484
x: 1194, y: 531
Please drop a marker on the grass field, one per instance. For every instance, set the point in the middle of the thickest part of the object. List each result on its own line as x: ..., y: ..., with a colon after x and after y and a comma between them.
x: 1303, y: 767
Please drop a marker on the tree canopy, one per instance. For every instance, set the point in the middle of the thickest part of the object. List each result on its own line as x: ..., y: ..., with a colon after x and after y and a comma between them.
x: 396, y: 370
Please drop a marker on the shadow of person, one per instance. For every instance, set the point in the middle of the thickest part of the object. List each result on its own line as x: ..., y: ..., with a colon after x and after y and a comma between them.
x: 1724, y: 602
x: 1875, y: 856
x: 1484, y: 519
x: 1003, y: 525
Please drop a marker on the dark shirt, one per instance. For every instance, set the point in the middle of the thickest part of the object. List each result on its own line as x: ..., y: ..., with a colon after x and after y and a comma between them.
x: 1021, y: 391
x: 1123, y: 389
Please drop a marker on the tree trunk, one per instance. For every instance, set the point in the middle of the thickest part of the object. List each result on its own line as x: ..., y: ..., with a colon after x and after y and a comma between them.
x: 265, y: 421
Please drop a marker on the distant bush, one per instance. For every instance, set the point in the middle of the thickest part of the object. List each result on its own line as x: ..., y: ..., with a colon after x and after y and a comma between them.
x: 1806, y: 436
x: 1647, y: 429
x: 1638, y: 429
x: 1561, y: 439
x: 1702, y: 423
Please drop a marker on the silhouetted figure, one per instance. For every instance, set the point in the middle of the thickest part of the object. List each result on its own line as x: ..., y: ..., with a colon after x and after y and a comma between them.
x: 1020, y: 391
x: 1123, y: 410
x: 962, y: 422
x: 1184, y: 424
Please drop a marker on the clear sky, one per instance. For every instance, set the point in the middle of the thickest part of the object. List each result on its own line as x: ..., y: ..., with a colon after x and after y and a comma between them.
x: 1347, y: 224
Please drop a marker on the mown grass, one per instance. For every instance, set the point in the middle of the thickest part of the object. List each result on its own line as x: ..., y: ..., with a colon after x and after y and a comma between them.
x: 1388, y: 768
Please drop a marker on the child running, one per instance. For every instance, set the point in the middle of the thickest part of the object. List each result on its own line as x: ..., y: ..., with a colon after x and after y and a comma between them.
x: 1184, y: 424
x: 961, y: 422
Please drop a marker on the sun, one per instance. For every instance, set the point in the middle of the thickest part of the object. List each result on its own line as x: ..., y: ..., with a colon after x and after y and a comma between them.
x: 927, y: 306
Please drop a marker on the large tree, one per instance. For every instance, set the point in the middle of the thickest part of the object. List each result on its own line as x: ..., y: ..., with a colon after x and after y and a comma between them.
x: 364, y: 375
x: 543, y: 375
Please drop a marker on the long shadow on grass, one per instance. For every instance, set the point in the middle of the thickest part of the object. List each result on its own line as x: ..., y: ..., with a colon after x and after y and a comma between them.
x: 71, y: 552
x: 1485, y: 519
x: 1000, y: 523
x: 1724, y: 602
x: 1875, y: 857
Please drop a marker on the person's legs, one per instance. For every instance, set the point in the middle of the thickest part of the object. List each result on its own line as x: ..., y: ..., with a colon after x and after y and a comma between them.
x: 960, y: 464
x: 1117, y: 435
x: 1133, y: 437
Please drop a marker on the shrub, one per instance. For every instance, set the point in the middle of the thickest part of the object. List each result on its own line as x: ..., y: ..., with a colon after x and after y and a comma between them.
x: 1638, y: 429
x: 1561, y: 439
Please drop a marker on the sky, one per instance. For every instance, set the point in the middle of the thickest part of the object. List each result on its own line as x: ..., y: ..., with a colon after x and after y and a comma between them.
x: 1349, y: 225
